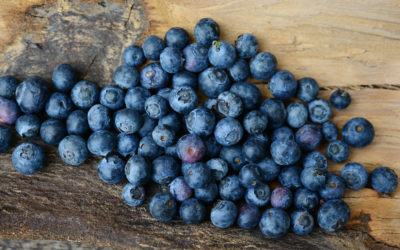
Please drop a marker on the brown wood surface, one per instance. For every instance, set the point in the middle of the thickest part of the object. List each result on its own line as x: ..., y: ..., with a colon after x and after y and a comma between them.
x: 350, y: 44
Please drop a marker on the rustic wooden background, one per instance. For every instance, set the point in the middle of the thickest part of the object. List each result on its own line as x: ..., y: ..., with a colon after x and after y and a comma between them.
x: 350, y: 44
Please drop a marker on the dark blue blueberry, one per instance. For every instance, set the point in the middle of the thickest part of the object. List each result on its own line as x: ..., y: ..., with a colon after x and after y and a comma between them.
x: 307, y: 89
x: 200, y: 121
x: 302, y: 222
x: 262, y: 138
x: 137, y: 170
x: 219, y: 168
x: 184, y: 78
x: 101, y: 142
x: 171, y: 151
x: 228, y: 131
x: 249, y: 216
x: 32, y: 94
x: 290, y: 177
x: 249, y: 93
x: 52, y: 131
x: 112, y: 97
x: 275, y: 111
x: 133, y: 195
x: 136, y: 97
x: 27, y: 126
x: 258, y: 195
x: 355, y: 175
x: 85, y: 94
x: 282, y: 133
x: 153, y: 76
x: 183, y: 100
x: 254, y: 150
x: 358, y: 132
x: 127, y: 121
x: 164, y: 92
x: 148, y: 148
x: 305, y: 199
x: 73, y: 150
x: 213, y: 81
x: 8, y: 85
x: 249, y: 175
x: 285, y: 152
x: 156, y: 107
x: 233, y: 155
x: 281, y: 197
x: 338, y: 151
x: 333, y: 215
x: 111, y: 169
x: 127, y: 144
x: 330, y: 131
x: 308, y: 137
x: 64, y: 77
x: 197, y: 175
x: 313, y: 178
x: 172, y: 120
x: 334, y: 187
x: 223, y: 214
x: 229, y: 104
x: 190, y: 148
x: 246, y: 45
x: 99, y: 117
x: 213, y: 149
x: 319, y: 111
x: 171, y: 60
x: 5, y: 139
x: 230, y: 188
x: 28, y: 158
x: 297, y: 114
x: 222, y: 54
x: 177, y: 38
x: 163, y: 207
x: 148, y: 125
x: 255, y: 122
x: 283, y: 85
x: 165, y: 169
x: 384, y: 180
x: 192, y: 211
x: 340, y: 99
x: 152, y: 47
x: 133, y: 56
x: 126, y: 77
x: 269, y: 169
x: 163, y: 136
x: 196, y: 57
x: 263, y: 65
x: 316, y: 159
x: 77, y: 123
x: 208, y: 193
x: 179, y: 189
x: 239, y: 71
x: 206, y: 31
x: 274, y: 223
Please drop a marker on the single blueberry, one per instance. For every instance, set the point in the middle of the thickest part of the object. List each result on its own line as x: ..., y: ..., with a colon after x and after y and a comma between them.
x: 340, y: 99
x: 307, y: 89
x: 358, y: 132
x: 148, y: 148
x: 5, y: 139
x: 27, y: 126
x: 77, y: 123
x: 126, y: 77
x: 319, y: 111
x: 112, y: 97
x: 305, y: 199
x: 330, y: 131
x: 249, y: 93
x: 153, y: 76
x: 239, y: 71
x: 52, y: 131
x: 334, y: 187
x: 28, y: 158
x: 148, y: 125
x: 219, y: 168
x: 196, y: 57
x: 200, y: 121
x: 255, y: 122
x: 111, y: 169
x: 281, y: 197
x: 127, y: 144
x: 136, y: 97
x: 190, y: 148
x: 230, y: 188
x: 206, y: 31
x: 338, y: 151
x: 283, y: 133
x: 254, y: 150
x: 99, y: 117
x: 152, y: 47
x: 183, y: 100
x: 101, y: 142
x: 249, y: 216
x: 156, y: 107
x: 213, y: 148
x: 316, y: 159
x: 290, y: 177
x: 228, y: 131
x: 133, y: 195
x: 85, y: 94
x: 163, y: 136
x: 163, y: 207
x: 73, y: 150
x: 184, y: 78
x: 177, y: 38
x: 207, y: 194
x: 197, y: 175
x: 8, y: 85
x: 249, y: 175
x: 223, y: 214
x: 302, y: 222
x: 165, y: 169
x: 355, y: 175
x: 137, y: 170
x: 32, y: 94
x: 285, y: 152
x: 263, y: 65
x: 333, y: 215
x: 269, y: 170
x: 222, y: 54
x: 308, y: 137
x: 282, y: 85
x: 229, y: 104
x: 133, y: 56
x: 234, y: 157
x: 313, y: 178
x: 173, y: 121
x: 171, y: 60
x: 297, y: 114
x: 246, y: 45
x: 213, y: 81
x: 64, y: 77
x: 180, y: 190
x: 274, y: 223
x: 384, y: 180
x: 127, y: 121
x: 258, y: 195
x: 275, y: 111
x: 192, y: 211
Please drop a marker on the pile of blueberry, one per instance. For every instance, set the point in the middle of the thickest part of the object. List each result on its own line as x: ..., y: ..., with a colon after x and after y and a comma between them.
x: 223, y: 152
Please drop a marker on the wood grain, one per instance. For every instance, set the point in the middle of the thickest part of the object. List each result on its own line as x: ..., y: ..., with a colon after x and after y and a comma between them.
x: 351, y: 44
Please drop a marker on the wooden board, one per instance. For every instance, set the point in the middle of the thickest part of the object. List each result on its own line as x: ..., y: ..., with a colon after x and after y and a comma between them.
x: 350, y: 44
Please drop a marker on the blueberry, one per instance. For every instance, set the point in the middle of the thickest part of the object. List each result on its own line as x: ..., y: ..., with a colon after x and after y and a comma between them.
x: 254, y: 150
x: 208, y: 193
x: 274, y: 223
x: 164, y: 92
x: 333, y: 215
x: 171, y: 120
x: 269, y: 170
x: 192, y: 211
x: 285, y: 152
x: 221, y: 54
x: 319, y: 111
x: 165, y: 169
x: 196, y: 57
x: 228, y: 131
x: 64, y: 77
x: 190, y: 148
x: 358, y: 132
x: 9, y: 111
x: 297, y: 114
x: 249, y: 93
x: 334, y: 187
x: 355, y: 175
x: 302, y: 222
x: 5, y: 139
x: 101, y: 142
x: 313, y: 178
x: 163, y: 136
x: 219, y: 168
x: 111, y: 169
x: 52, y: 131
x: 233, y: 155
x: 27, y: 126
x: 99, y: 117
x: 290, y: 177
x: 263, y: 65
x: 230, y: 188
x: 136, y: 97
x: 148, y: 148
x: 184, y: 78
x: 281, y: 197
x: 340, y: 99
x: 213, y: 149
x: 32, y: 94
x: 148, y: 125
x: 127, y: 121
x: 73, y: 150
x: 308, y: 137
x: 249, y: 216
x: 315, y: 159
x: 112, y: 97
x: 275, y: 111
x: 183, y: 100
x: 59, y: 106
x: 177, y: 38
x: 133, y: 195
x: 77, y: 123
x: 85, y: 94
x: 153, y: 76
x: 171, y: 60
x: 28, y: 158
x: 126, y: 77
x: 152, y: 47
x: 163, y: 207
x: 283, y: 85
x: 246, y: 45
x: 156, y: 107
x: 133, y: 56
x: 262, y: 138
x: 200, y: 121
x: 283, y: 133
x: 305, y: 199
x: 307, y: 89
x: 8, y: 85
x: 329, y: 131
x: 137, y: 170
x: 223, y: 214
x: 384, y: 180
x: 239, y: 71
x: 179, y: 189
x: 197, y: 175
x: 213, y: 81
x: 249, y: 175
x: 229, y: 104
x: 255, y: 122
x: 338, y: 151
x: 206, y: 31
x: 258, y: 195
x: 127, y: 144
